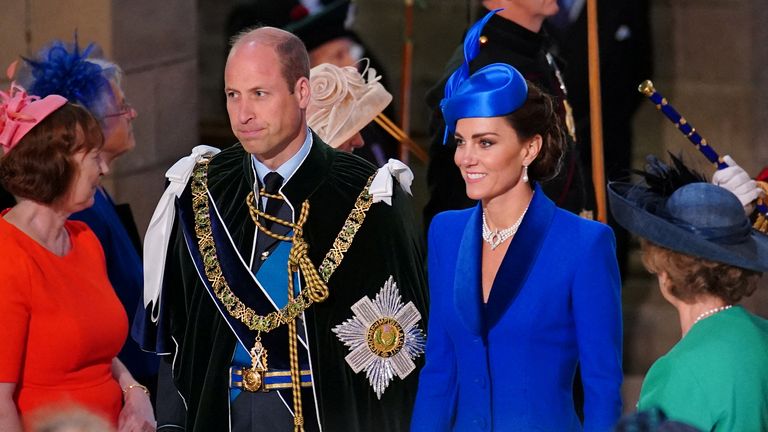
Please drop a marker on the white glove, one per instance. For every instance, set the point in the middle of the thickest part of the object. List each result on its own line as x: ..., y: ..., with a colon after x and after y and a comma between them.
x: 738, y: 182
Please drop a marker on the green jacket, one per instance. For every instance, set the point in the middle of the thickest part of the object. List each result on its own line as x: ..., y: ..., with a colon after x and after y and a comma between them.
x: 716, y: 377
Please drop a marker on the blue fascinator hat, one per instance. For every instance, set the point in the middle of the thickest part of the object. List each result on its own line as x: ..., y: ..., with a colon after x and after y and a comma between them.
x: 698, y: 218
x: 67, y: 70
x: 495, y: 90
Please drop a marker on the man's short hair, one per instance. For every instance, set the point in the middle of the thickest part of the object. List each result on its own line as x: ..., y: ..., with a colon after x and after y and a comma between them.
x: 294, y: 59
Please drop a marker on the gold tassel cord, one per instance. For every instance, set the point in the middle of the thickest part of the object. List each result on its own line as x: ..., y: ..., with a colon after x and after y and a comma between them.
x: 316, y: 288
x: 298, y: 257
x: 293, y: 351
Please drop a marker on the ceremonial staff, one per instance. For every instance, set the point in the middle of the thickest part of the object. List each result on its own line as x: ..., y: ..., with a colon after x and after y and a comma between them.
x: 405, y: 78
x: 596, y: 111
x: 646, y: 88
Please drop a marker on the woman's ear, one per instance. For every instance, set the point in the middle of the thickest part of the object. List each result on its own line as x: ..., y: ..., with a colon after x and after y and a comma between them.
x: 531, y: 149
x: 665, y: 286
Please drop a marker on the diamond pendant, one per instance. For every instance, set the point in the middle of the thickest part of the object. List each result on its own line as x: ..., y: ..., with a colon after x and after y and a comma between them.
x: 495, y: 240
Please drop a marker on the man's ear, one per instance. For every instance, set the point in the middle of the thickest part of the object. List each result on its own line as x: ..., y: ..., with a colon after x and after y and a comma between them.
x: 301, y: 92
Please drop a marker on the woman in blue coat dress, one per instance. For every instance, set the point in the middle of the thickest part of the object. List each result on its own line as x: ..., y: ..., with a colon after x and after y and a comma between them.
x: 521, y: 291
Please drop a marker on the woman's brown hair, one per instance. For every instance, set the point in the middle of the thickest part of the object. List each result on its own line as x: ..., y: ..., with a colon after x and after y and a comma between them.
x: 538, y: 116
x: 41, y: 167
x: 691, y: 277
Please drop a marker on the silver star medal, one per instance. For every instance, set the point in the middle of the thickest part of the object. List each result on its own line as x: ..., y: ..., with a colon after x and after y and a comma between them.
x: 383, y: 337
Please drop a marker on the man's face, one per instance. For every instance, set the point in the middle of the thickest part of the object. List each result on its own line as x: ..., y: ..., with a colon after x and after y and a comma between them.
x: 338, y: 52
x: 265, y: 114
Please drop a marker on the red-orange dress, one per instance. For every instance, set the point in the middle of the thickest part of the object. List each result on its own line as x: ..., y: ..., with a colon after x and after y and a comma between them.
x: 61, y: 323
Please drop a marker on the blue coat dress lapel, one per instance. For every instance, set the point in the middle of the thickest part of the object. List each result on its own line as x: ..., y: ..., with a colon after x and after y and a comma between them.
x: 467, y: 292
x: 520, y: 257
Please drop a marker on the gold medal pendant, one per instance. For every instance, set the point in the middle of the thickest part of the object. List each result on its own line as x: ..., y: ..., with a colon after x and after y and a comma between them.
x: 253, y: 378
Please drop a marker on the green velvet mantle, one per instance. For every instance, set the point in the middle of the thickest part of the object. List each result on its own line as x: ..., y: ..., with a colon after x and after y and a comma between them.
x: 387, y: 244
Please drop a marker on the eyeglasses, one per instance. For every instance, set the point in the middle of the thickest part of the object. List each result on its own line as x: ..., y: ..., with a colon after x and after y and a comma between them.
x: 124, y: 110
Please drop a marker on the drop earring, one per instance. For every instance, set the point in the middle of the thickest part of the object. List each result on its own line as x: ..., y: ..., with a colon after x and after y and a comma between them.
x: 525, y: 173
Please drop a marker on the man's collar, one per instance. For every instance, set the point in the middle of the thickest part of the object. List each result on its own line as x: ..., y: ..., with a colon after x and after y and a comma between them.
x: 290, y: 166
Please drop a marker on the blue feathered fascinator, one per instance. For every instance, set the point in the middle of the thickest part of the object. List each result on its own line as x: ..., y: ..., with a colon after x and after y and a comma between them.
x: 65, y: 69
x: 495, y: 90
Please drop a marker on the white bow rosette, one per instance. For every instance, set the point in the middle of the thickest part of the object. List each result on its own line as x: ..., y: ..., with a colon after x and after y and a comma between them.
x: 382, y: 185
x: 343, y: 101
x: 161, y: 225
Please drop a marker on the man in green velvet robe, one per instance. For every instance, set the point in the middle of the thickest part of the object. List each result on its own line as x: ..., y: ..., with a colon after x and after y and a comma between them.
x: 241, y: 340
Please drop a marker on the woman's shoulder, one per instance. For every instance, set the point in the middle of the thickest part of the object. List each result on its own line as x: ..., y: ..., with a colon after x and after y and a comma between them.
x: 78, y: 229
x: 576, y: 227
x: 16, y: 254
x: 447, y: 225
x: 13, y: 240
x: 450, y: 218
x: 82, y: 235
x: 735, y: 333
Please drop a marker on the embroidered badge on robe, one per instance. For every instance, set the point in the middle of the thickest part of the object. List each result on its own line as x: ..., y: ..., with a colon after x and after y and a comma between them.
x: 383, y: 337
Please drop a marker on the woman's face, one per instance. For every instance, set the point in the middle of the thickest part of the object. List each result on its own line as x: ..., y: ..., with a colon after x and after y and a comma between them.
x: 355, y: 142
x: 118, y: 129
x: 90, y: 166
x: 490, y: 156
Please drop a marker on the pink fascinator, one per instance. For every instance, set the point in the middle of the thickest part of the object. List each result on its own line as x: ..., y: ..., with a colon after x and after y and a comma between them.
x: 20, y: 112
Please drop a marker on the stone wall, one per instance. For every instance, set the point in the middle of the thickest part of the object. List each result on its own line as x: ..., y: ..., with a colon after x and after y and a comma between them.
x: 156, y: 45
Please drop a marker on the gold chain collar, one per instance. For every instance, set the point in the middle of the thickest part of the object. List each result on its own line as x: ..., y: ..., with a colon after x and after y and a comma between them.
x: 235, y: 307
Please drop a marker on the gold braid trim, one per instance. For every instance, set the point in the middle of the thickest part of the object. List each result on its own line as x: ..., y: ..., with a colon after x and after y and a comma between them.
x: 297, y: 257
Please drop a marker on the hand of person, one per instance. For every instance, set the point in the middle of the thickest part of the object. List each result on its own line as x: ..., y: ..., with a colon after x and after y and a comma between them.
x: 737, y: 181
x: 137, y: 414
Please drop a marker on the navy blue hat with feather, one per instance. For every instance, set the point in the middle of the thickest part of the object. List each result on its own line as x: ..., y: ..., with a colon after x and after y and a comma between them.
x: 677, y: 208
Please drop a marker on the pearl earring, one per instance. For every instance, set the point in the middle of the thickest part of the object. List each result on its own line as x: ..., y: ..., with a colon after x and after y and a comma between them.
x: 525, y: 173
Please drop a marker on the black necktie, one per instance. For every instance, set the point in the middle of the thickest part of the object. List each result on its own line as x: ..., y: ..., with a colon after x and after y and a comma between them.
x: 272, y: 183
x: 274, y: 207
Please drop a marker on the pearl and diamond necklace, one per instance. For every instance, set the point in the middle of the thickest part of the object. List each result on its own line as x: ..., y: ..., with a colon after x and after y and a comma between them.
x: 497, y: 237
x: 711, y: 312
